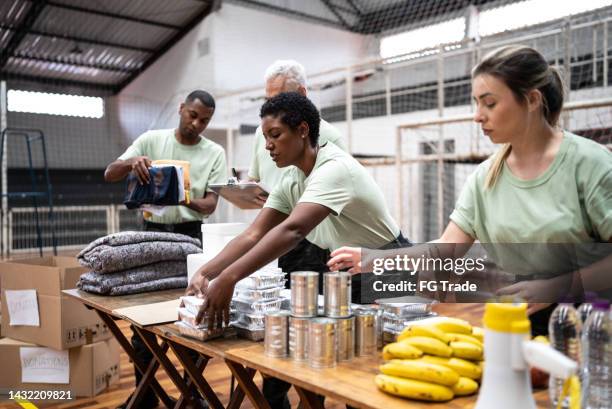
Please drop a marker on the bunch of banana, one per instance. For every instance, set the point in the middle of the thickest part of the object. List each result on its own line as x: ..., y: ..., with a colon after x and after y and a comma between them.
x: 434, y: 360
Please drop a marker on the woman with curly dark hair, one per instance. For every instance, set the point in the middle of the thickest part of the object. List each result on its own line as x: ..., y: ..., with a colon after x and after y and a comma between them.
x: 325, y: 195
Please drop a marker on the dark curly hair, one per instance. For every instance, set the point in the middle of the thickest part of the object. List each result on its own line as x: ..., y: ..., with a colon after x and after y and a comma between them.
x: 292, y: 109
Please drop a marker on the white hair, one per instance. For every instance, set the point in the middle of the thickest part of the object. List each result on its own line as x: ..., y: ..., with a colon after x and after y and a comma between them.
x: 290, y: 69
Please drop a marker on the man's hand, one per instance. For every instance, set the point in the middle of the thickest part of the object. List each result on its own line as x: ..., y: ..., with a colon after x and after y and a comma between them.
x: 346, y: 257
x: 260, y: 200
x: 140, y: 167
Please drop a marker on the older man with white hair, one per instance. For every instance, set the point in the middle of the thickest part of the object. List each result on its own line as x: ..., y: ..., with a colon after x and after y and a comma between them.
x: 288, y: 76
x: 284, y: 76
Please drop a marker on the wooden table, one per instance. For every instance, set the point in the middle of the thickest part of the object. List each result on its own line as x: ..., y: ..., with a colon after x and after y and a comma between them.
x: 170, y: 338
x: 350, y: 382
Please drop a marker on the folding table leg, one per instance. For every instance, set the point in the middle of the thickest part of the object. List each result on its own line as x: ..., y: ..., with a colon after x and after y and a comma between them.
x: 308, y: 399
x: 196, y: 375
x: 150, y: 341
x: 140, y: 366
x: 237, y: 394
x: 182, y: 402
x: 145, y: 381
x: 247, y: 385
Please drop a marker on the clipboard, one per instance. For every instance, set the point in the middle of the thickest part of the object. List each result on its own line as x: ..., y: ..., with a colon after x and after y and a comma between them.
x: 240, y: 194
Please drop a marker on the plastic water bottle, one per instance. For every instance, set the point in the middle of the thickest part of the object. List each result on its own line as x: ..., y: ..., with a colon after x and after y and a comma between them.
x: 597, y: 358
x: 563, y: 331
x: 584, y: 310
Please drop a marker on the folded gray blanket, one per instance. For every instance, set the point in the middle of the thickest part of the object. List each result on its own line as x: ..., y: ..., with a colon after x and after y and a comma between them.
x: 125, y: 250
x: 142, y: 274
x: 131, y: 237
x: 156, y: 285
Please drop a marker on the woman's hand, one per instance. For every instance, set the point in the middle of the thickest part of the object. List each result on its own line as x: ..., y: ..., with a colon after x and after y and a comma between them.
x: 217, y: 295
x: 549, y: 291
x: 217, y: 303
x: 346, y: 257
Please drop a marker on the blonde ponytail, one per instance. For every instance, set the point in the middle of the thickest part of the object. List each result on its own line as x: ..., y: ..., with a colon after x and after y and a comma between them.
x: 497, y: 166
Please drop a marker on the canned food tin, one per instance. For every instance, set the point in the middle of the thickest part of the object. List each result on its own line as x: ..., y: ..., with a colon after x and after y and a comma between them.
x: 298, y: 338
x: 346, y: 338
x: 365, y: 333
x: 322, y: 343
x: 275, y: 337
x: 304, y: 293
x: 337, y: 294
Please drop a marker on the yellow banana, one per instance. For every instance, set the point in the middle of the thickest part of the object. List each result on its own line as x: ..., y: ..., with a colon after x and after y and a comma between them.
x: 450, y: 324
x: 478, y: 333
x: 464, y: 338
x: 542, y: 339
x: 401, y: 350
x: 461, y: 366
x: 430, y: 346
x: 465, y: 386
x: 423, y: 331
x: 421, y: 371
x: 409, y: 388
x: 466, y: 350
x: 386, y: 355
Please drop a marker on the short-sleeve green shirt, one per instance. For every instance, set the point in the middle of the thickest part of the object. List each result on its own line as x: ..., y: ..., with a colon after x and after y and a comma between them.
x: 571, y: 202
x: 359, y: 213
x: 264, y: 170
x: 207, y: 165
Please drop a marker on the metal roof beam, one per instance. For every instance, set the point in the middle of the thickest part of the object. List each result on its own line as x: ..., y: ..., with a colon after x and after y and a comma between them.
x: 83, y: 40
x: 289, y: 12
x: 168, y: 45
x: 36, y: 8
x: 331, y: 8
x: 354, y: 7
x: 348, y: 10
x: 104, y: 67
x: 114, y: 15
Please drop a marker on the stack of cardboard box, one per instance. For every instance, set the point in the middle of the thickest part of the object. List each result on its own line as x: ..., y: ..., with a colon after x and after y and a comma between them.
x: 54, y: 343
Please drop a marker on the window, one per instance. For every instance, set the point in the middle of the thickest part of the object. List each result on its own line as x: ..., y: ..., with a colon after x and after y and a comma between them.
x: 55, y: 104
x: 530, y: 12
x: 451, y: 31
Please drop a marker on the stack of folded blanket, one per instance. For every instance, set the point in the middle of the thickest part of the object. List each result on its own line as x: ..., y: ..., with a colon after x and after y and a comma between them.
x: 135, y: 262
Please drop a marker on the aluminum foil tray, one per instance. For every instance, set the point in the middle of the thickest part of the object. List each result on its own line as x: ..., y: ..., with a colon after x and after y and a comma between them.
x: 245, y: 332
x: 257, y: 307
x: 257, y: 295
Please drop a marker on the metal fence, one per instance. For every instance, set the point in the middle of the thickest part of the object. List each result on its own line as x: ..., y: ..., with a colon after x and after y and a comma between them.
x: 75, y: 226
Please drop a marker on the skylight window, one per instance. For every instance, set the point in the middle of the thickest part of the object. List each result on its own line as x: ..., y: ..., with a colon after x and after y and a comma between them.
x: 55, y: 104
x: 451, y: 31
x: 531, y: 12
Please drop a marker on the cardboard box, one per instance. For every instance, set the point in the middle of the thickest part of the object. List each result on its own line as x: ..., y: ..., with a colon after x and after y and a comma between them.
x: 92, y: 368
x: 63, y: 321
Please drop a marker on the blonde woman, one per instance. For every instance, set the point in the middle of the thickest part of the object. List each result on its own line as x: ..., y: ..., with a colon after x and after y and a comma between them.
x: 545, y: 185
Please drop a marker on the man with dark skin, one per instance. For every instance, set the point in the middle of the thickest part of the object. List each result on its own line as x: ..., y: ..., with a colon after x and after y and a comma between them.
x: 195, y: 114
x: 207, y: 166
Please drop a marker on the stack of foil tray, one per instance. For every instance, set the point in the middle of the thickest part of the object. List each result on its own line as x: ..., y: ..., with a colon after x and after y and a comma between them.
x: 254, y: 296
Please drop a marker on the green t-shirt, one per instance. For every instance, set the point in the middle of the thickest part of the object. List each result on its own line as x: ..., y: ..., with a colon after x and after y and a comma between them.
x: 264, y: 170
x: 359, y: 213
x: 207, y: 165
x: 571, y: 202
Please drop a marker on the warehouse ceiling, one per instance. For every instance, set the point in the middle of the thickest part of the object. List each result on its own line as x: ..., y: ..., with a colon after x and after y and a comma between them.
x: 105, y: 44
